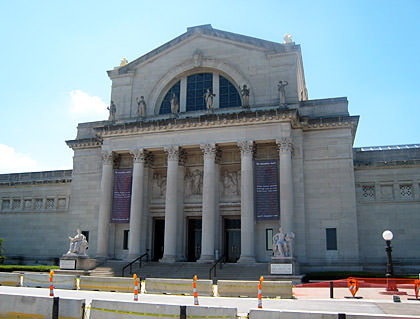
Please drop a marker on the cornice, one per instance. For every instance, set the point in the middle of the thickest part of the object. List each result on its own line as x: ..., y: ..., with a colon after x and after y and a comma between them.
x: 208, y: 121
x: 84, y: 143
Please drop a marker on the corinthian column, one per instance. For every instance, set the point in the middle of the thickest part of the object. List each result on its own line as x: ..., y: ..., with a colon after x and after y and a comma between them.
x: 247, y: 202
x: 285, y: 146
x: 209, y: 204
x: 171, y: 205
x: 137, y: 199
x: 105, y: 205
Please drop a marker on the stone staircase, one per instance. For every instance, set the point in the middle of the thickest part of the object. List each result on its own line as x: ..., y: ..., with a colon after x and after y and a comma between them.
x: 231, y: 271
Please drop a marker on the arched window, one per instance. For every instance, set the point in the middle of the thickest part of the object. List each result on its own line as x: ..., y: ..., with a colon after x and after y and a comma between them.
x: 196, y: 87
x: 229, y: 96
x: 165, y: 107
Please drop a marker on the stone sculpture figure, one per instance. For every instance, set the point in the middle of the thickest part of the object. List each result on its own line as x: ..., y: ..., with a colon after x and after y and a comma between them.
x: 231, y: 183
x: 141, y: 106
x: 208, y: 98
x: 123, y: 62
x: 245, y: 96
x: 112, y: 110
x: 282, y: 91
x: 174, y: 104
x: 78, y: 244
x: 282, y: 244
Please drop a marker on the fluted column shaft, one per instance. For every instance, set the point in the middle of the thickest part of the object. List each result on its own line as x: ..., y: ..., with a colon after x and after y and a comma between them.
x: 286, y: 184
x: 209, y: 204
x: 171, y: 205
x: 105, y: 205
x: 137, y: 199
x: 247, y: 202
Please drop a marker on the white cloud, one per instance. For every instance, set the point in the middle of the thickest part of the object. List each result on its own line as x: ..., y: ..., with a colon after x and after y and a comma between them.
x: 83, y: 103
x: 13, y: 162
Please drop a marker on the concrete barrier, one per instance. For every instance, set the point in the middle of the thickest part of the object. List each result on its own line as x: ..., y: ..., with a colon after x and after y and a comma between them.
x: 177, y: 286
x: 238, y: 288
x: 105, y: 309
x: 10, y: 279
x: 288, y: 314
x: 42, y: 280
x: 15, y: 306
x: 117, y: 284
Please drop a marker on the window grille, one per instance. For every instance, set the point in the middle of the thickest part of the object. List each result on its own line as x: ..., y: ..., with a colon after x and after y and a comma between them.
x: 406, y: 191
x: 368, y: 192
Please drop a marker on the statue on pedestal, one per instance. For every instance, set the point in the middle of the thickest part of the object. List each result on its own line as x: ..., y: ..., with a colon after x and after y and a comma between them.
x: 78, y: 244
x: 208, y: 98
x: 283, y: 244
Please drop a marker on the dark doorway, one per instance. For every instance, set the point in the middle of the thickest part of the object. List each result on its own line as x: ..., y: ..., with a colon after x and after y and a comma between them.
x: 232, y: 239
x: 194, y: 239
x: 158, y: 238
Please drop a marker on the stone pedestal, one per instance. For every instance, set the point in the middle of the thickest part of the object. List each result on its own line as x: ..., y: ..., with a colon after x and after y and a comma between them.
x: 76, y: 262
x: 283, y: 266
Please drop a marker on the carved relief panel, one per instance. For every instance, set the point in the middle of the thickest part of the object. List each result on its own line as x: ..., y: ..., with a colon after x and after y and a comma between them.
x: 230, y: 183
x: 193, y: 182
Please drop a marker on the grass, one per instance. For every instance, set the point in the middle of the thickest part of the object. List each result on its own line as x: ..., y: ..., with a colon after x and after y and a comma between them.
x: 37, y: 268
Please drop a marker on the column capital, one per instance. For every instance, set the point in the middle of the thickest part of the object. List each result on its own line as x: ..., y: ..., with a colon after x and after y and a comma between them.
x: 246, y: 147
x: 285, y: 144
x: 107, y: 157
x: 172, y: 152
x: 209, y: 150
x: 139, y: 155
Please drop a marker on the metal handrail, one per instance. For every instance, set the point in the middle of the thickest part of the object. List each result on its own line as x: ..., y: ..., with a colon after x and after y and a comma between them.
x: 213, y: 267
x: 130, y: 264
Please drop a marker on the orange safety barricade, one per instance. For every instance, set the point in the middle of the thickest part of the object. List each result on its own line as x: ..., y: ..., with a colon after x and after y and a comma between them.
x: 417, y: 287
x: 353, y: 285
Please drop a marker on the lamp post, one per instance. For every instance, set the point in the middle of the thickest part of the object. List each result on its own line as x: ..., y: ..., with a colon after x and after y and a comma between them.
x: 387, y: 235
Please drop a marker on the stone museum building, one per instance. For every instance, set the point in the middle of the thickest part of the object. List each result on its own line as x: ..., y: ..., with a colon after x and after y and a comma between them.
x: 211, y: 146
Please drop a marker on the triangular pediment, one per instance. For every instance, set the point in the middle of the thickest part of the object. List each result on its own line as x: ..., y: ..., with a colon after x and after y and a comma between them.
x: 209, y: 32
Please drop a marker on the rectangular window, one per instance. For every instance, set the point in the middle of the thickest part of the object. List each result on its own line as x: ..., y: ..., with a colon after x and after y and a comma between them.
x: 331, y: 238
x: 125, y: 240
x: 269, y: 239
x: 16, y: 204
x: 50, y: 203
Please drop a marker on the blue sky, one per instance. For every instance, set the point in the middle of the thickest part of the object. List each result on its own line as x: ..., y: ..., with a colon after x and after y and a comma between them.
x: 54, y: 56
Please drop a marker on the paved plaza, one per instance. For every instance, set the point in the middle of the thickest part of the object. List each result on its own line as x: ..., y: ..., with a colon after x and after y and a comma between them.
x: 374, y: 300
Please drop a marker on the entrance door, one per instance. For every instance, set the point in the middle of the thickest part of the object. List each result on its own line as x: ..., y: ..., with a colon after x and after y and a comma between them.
x: 232, y: 239
x: 158, y: 238
x: 194, y: 239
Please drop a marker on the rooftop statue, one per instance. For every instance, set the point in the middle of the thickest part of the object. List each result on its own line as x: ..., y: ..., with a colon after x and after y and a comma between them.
x: 282, y: 91
x: 123, y: 62
x: 141, y: 106
x: 78, y: 244
x: 174, y: 104
x: 287, y: 38
x: 208, y: 98
x: 245, y: 96
x: 112, y: 110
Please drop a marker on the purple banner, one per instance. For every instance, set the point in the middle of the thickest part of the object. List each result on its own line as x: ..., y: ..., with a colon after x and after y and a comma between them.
x: 267, y: 190
x: 121, y: 199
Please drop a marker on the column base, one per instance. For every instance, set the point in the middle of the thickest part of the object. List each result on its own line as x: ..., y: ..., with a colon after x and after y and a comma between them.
x: 206, y: 259
x: 168, y: 259
x: 246, y: 260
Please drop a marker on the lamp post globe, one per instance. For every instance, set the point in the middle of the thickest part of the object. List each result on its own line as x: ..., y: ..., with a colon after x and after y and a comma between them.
x: 387, y: 235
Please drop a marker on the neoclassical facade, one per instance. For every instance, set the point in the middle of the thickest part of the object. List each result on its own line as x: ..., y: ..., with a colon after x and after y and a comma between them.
x: 210, y: 147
